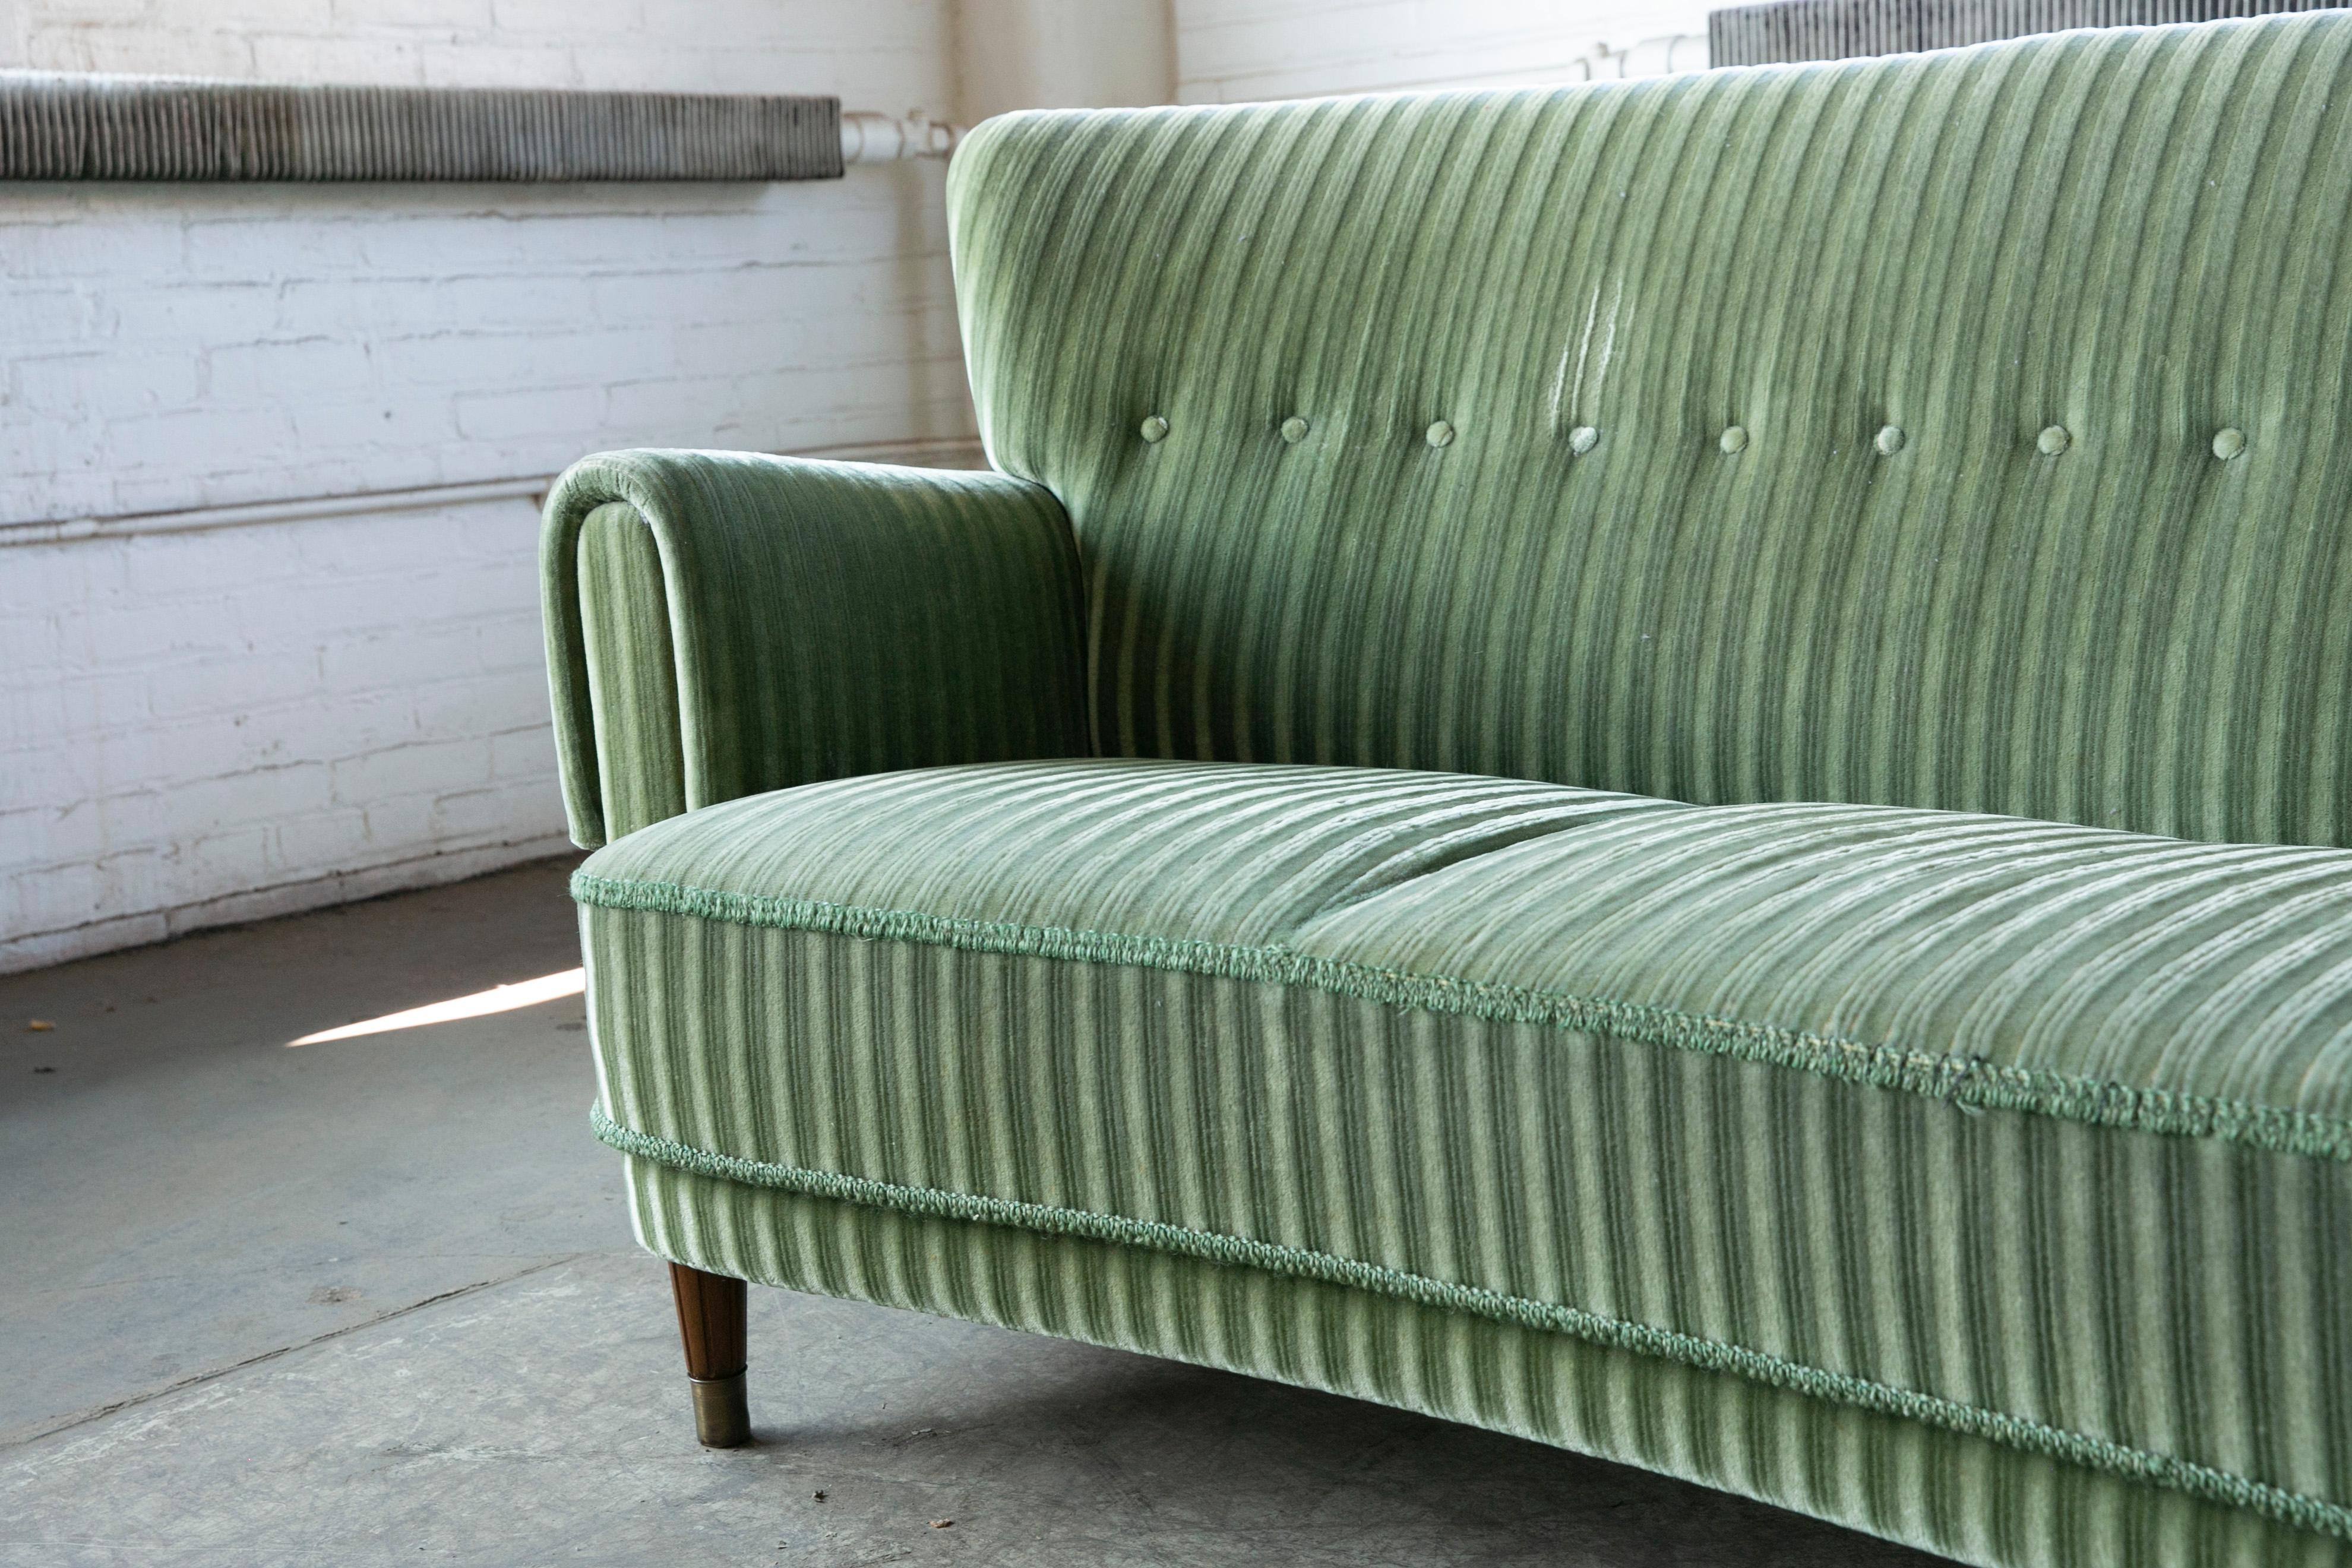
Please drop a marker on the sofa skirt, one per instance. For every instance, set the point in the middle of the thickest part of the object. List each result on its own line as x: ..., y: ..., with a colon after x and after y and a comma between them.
x: 1967, y: 1496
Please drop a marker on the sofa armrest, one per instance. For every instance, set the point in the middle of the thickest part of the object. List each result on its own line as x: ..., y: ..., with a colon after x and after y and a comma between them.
x: 721, y: 624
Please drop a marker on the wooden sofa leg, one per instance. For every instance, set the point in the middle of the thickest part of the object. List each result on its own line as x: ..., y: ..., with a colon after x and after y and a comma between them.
x: 710, y: 1323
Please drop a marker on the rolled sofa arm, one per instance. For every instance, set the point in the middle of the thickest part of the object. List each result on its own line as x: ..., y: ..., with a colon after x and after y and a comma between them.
x: 719, y: 624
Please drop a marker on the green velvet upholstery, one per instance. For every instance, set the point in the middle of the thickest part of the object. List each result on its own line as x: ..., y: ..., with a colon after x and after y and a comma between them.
x: 1971, y: 1497
x: 1660, y: 764
x: 1645, y: 1074
x: 756, y: 622
x: 2135, y: 235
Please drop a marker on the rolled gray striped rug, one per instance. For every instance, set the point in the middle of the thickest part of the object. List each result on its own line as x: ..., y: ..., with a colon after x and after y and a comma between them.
x: 1788, y: 30
x: 73, y: 126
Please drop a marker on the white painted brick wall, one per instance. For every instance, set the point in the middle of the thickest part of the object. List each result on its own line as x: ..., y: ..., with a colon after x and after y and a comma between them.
x: 1235, y: 51
x: 207, y: 726
x: 871, y: 52
x: 169, y: 347
x: 216, y: 725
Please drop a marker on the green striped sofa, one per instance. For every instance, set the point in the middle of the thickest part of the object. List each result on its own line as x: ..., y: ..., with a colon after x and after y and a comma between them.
x: 1664, y: 765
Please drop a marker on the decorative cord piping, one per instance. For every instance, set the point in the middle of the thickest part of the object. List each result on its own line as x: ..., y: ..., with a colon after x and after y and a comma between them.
x: 2018, y: 1432
x: 1969, y: 1082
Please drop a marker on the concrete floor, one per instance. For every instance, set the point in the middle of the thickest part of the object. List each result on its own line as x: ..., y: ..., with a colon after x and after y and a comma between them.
x: 375, y: 1300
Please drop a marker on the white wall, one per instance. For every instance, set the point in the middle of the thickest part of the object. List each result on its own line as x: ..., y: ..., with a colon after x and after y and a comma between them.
x: 176, y: 346
x: 198, y: 726
x: 872, y: 52
x: 1234, y: 52
x: 1062, y: 54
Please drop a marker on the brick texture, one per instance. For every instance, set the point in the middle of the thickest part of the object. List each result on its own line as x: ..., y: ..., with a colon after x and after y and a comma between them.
x: 208, y: 726
x: 1234, y: 52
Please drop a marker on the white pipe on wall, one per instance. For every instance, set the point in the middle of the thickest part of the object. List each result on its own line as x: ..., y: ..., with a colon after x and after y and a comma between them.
x: 1031, y: 54
x: 869, y: 138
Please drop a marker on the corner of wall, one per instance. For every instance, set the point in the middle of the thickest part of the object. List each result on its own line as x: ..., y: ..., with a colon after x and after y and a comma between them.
x: 1061, y: 54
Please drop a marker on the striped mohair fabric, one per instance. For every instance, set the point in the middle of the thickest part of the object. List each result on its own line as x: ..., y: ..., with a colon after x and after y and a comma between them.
x: 2023, y: 1130
x: 2117, y: 245
x: 766, y: 621
x: 1659, y: 764
x: 1973, y: 1498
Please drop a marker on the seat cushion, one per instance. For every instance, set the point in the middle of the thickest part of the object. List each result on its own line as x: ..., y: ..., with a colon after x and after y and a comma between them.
x: 2030, y: 1132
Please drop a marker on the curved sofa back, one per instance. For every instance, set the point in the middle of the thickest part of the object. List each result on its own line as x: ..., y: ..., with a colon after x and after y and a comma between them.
x: 1963, y: 430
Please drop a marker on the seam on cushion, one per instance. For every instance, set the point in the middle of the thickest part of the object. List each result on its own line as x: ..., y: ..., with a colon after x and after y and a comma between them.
x: 1483, y: 845
x: 2205, y: 1481
x: 1971, y: 1082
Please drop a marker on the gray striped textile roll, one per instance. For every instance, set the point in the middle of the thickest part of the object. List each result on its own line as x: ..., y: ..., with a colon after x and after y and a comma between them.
x: 1790, y: 30
x: 74, y: 126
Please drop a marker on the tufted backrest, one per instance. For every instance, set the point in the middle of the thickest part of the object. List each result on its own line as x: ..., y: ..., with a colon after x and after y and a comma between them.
x: 1966, y: 430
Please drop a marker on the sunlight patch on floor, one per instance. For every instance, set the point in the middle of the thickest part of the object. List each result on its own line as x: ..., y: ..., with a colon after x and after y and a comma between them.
x: 481, y: 1005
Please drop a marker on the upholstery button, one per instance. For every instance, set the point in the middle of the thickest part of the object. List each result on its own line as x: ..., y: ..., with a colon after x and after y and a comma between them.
x: 1155, y: 428
x: 2228, y: 442
x: 1294, y: 429
x: 2053, y: 441
x: 1889, y: 440
x: 1733, y: 440
x: 1441, y: 433
x: 1582, y: 439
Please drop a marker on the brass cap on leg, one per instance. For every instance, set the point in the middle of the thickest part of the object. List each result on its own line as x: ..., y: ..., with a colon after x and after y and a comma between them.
x: 722, y: 1414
